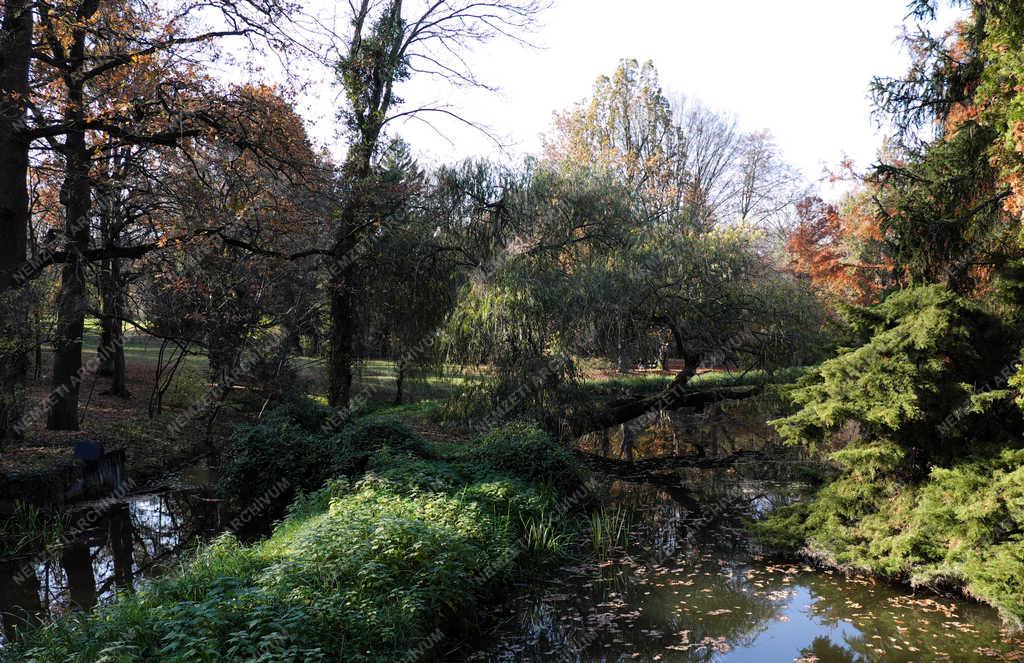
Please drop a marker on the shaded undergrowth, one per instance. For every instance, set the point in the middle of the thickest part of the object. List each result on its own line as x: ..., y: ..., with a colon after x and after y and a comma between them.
x: 380, y: 565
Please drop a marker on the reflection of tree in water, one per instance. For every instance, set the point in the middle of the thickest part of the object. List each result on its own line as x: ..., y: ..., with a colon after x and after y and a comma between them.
x: 623, y: 611
x: 897, y: 627
x: 827, y: 651
x: 693, y: 587
x: 76, y: 561
x: 19, y: 601
x: 131, y: 539
x: 637, y: 604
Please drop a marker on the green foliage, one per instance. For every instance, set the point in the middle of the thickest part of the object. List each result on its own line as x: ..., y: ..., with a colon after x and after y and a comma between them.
x: 925, y: 362
x: 932, y: 482
x: 362, y: 573
x: 609, y: 530
x: 944, y: 211
x: 30, y: 529
x: 303, y: 412
x: 376, y: 432
x: 527, y: 452
x: 257, y: 457
x: 963, y: 526
x: 543, y: 537
x: 290, y: 444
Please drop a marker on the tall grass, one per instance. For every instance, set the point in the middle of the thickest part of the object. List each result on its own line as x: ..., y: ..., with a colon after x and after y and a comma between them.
x: 30, y: 529
x: 609, y: 530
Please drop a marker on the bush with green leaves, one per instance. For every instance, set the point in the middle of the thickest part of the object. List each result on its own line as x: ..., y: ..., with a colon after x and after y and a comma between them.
x: 289, y: 443
x: 277, y: 449
x: 526, y: 451
x: 363, y: 572
x: 962, y: 528
x: 927, y: 373
x: 373, y: 432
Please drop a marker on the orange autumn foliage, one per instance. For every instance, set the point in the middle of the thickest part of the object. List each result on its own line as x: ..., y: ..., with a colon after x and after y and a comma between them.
x: 839, y: 251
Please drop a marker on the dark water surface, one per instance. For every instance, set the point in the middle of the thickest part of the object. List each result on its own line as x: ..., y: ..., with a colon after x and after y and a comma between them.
x: 690, y: 587
x: 110, y: 547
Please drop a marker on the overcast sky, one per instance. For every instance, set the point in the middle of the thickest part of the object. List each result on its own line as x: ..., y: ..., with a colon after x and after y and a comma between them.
x: 800, y: 68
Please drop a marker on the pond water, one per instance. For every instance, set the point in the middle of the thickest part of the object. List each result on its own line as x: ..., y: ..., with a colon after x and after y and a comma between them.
x: 110, y: 547
x: 689, y: 586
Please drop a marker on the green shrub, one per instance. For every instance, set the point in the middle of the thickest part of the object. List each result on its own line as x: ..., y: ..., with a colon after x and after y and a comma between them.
x: 257, y: 457
x: 963, y: 526
x: 288, y: 444
x: 405, y: 472
x: 374, y: 432
x: 363, y: 573
x: 930, y: 490
x: 303, y: 412
x: 923, y: 376
x: 526, y: 451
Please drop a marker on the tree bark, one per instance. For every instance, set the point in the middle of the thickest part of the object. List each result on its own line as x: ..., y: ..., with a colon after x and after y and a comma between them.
x: 112, y: 284
x: 646, y: 469
x: 15, y: 55
x: 111, y: 347
x: 399, y: 381
x: 342, y: 356
x: 76, y: 196
x: 673, y: 397
x: 67, y: 351
x: 344, y: 320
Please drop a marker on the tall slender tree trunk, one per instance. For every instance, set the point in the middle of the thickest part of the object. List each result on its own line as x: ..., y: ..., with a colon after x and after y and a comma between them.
x: 399, y: 381
x: 15, y: 55
x: 344, y: 320
x: 76, y: 194
x: 111, y: 283
x: 111, y: 347
x: 106, y: 367
x: 342, y: 355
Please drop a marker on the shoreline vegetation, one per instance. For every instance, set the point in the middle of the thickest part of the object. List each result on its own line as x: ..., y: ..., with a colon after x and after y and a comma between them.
x: 383, y: 566
x: 931, y: 483
x: 392, y: 541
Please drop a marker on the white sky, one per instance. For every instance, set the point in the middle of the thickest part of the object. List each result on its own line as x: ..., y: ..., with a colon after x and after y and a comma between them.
x: 800, y: 68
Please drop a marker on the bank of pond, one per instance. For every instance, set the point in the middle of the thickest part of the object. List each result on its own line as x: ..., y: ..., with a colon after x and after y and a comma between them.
x: 394, y: 547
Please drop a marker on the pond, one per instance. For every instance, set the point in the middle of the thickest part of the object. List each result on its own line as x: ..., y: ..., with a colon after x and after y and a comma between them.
x: 689, y: 586
x: 110, y: 546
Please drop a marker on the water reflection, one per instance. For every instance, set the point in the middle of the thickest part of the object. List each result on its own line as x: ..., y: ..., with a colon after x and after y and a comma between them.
x: 691, y: 588
x: 115, y: 545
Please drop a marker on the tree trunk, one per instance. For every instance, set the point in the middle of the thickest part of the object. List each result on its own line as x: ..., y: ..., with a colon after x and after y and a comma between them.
x: 223, y: 354
x: 119, y: 380
x: 15, y: 53
x: 76, y: 194
x: 106, y: 367
x: 399, y: 381
x: 111, y: 347
x: 356, y: 172
x: 342, y: 355
x: 673, y: 397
